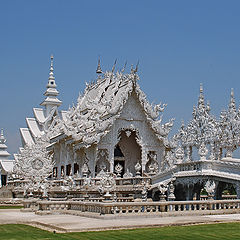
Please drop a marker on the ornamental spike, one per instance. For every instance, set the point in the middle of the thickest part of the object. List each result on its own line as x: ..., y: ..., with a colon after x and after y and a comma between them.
x: 2, y: 138
x: 124, y: 67
x: 136, y: 69
x: 51, y: 74
x: 201, y: 97
x: 232, y: 104
x: 99, y: 70
x: 114, y: 65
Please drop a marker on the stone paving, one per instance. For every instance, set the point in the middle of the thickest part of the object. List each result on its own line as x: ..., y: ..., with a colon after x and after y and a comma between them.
x: 70, y: 223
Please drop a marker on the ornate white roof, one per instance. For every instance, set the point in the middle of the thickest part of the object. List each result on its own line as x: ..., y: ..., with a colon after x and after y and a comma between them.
x: 102, y: 103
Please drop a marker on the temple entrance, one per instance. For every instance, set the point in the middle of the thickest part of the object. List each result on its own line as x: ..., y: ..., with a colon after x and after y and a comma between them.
x: 4, y: 180
x: 127, y: 152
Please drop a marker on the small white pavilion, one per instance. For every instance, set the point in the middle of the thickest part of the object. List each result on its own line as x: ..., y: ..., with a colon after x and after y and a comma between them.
x: 6, y: 164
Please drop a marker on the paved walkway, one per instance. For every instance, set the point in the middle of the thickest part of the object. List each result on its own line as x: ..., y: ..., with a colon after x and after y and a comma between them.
x: 70, y: 223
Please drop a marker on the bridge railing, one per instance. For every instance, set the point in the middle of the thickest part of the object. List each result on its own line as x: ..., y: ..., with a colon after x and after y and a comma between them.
x: 138, y: 207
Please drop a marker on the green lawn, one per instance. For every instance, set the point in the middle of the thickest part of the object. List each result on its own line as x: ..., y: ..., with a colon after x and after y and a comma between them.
x: 10, y: 207
x: 219, y: 231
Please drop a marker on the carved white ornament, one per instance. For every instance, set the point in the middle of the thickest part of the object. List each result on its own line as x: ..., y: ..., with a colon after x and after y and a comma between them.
x: 118, y: 169
x: 210, y: 187
x: 128, y: 133
x: 107, y: 183
x: 162, y: 187
x: 138, y: 168
x: 34, y: 162
x: 179, y: 154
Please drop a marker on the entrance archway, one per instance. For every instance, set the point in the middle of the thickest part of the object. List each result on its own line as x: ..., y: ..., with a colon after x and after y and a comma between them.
x: 127, y: 152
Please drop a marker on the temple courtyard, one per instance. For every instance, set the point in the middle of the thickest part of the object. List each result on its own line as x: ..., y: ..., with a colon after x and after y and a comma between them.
x: 193, y: 230
x: 63, y: 223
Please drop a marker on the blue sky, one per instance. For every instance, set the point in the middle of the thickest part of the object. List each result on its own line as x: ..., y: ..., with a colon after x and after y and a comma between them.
x: 179, y: 44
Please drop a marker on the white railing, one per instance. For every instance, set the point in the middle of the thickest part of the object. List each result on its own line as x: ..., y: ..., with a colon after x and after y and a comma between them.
x: 137, y: 207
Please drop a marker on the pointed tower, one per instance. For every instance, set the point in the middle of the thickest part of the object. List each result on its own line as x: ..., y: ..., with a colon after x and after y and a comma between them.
x: 201, y: 97
x: 3, y: 147
x: 232, y: 104
x: 99, y: 70
x: 51, y: 101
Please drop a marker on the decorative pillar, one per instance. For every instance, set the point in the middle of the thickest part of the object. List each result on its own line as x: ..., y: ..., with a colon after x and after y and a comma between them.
x: 144, y: 158
x: 203, y: 151
x: 179, y: 154
x: 188, y: 153
x: 111, y: 159
x: 212, y: 153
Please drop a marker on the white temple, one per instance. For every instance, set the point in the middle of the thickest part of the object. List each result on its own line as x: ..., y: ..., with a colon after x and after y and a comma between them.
x: 6, y: 164
x: 113, y: 138
x: 112, y: 125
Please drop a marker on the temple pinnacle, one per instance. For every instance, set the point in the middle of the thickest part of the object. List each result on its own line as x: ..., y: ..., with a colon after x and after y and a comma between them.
x: 201, y: 97
x: 232, y: 104
x: 51, y: 74
x: 51, y: 93
x: 99, y: 70
x: 2, y: 138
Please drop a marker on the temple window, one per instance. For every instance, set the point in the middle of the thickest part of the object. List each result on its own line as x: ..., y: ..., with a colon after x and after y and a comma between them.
x: 75, y: 168
x: 68, y: 169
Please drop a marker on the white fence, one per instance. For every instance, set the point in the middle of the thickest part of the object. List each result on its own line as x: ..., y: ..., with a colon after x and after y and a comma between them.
x: 135, y: 207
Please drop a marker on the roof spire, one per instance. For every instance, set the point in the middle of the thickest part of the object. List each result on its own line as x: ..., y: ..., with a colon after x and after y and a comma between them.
x: 99, y: 70
x: 201, y: 97
x: 51, y: 79
x: 2, y: 138
x: 51, y: 93
x: 232, y: 104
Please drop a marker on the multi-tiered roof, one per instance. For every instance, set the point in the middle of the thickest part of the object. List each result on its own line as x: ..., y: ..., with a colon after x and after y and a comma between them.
x: 43, y: 117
